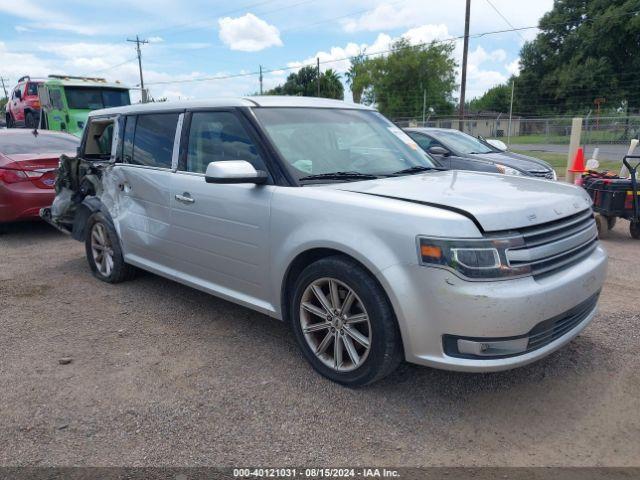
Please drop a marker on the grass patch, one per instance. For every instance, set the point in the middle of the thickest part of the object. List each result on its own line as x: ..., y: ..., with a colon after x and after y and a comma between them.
x: 559, y: 161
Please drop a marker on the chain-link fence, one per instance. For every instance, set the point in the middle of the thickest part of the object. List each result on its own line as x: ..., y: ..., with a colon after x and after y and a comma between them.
x: 548, y: 130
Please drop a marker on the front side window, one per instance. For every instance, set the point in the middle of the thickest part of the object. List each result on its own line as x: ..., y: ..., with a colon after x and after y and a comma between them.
x: 153, y: 139
x: 32, y: 89
x: 92, y: 98
x: 216, y: 137
x: 316, y: 141
x: 461, y: 142
x: 424, y: 141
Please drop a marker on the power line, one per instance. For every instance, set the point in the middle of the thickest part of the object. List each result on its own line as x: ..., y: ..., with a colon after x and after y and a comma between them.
x: 505, y: 19
x: 382, y: 52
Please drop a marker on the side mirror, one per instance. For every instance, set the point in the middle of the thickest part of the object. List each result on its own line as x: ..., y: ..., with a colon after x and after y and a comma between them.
x: 234, y: 171
x: 440, y: 151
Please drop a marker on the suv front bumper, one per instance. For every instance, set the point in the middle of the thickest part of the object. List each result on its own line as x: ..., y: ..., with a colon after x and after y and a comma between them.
x: 434, y: 306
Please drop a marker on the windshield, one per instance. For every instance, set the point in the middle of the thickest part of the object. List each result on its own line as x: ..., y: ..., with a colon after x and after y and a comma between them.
x: 91, y: 98
x: 42, y: 143
x: 315, y: 141
x: 460, y: 142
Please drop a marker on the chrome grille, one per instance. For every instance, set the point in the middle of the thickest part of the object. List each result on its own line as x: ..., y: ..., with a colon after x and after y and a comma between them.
x: 555, y: 245
x: 541, y: 173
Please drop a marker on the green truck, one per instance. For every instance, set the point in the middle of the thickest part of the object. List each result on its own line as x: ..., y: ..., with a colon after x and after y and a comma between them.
x: 66, y: 101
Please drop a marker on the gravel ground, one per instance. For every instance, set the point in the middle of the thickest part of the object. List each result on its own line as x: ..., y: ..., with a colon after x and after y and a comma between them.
x: 161, y: 374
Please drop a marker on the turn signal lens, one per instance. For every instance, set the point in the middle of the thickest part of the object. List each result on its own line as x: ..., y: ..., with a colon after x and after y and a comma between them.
x: 12, y: 176
x: 431, y: 251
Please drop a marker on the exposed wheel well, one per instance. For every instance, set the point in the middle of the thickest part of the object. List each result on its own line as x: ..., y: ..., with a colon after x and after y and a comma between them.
x: 300, y: 263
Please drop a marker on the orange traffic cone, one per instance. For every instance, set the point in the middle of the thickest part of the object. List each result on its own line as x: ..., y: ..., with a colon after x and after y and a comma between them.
x: 578, y: 162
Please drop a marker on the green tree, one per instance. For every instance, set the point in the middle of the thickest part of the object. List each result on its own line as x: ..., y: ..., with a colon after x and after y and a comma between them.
x: 396, y: 82
x: 496, y: 99
x: 585, y: 49
x: 305, y: 83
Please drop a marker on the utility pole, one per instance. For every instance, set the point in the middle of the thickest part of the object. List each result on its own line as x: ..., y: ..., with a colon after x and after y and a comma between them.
x: 4, y: 88
x: 424, y: 105
x: 463, y: 81
x: 137, y: 41
x: 260, y: 79
x: 318, y: 72
x: 513, y: 83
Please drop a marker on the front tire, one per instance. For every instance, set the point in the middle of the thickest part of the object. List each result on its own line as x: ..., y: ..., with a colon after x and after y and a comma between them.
x: 10, y: 122
x: 344, y: 323
x: 104, y: 253
x: 634, y: 229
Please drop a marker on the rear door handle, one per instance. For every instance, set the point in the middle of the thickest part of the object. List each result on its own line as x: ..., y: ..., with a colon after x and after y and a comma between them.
x: 185, y: 198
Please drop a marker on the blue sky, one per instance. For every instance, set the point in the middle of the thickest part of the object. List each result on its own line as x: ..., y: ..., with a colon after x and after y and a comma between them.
x: 196, y: 39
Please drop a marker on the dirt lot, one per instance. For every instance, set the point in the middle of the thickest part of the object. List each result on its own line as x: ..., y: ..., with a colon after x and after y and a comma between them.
x: 165, y: 375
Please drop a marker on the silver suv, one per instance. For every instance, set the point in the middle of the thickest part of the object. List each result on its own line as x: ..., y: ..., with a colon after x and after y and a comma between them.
x: 327, y: 216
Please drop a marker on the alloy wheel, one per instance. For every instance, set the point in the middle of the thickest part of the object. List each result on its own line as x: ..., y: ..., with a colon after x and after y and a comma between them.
x: 335, y: 324
x: 101, y: 249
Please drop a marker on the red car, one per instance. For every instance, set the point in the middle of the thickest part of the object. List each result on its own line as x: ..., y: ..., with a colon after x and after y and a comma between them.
x: 23, y: 108
x: 28, y: 166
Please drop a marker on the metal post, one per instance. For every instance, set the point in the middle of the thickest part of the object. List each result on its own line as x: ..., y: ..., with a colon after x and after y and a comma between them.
x: 260, y: 79
x: 574, y: 143
x: 463, y: 81
x: 424, y: 105
x: 318, y: 73
x: 6, y: 95
x: 510, y: 113
x: 137, y: 41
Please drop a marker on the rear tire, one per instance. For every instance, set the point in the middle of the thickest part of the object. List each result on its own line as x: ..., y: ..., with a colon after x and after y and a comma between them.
x: 634, y: 229
x: 30, y: 120
x: 611, y: 222
x: 603, y: 227
x: 365, y: 329
x: 104, y: 252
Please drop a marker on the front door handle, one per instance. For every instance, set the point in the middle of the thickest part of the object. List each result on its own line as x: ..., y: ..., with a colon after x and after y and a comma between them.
x: 185, y: 198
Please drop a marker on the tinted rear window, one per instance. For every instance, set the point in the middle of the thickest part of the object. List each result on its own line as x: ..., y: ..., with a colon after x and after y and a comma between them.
x: 22, y: 143
x: 153, y: 139
x: 91, y: 98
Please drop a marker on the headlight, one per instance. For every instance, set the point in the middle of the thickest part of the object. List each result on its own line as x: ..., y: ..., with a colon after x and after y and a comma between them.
x: 471, y: 259
x: 507, y: 170
x: 555, y: 174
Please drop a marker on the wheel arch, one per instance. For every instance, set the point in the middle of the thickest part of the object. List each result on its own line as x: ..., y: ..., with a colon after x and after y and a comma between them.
x: 88, y: 207
x: 306, y: 258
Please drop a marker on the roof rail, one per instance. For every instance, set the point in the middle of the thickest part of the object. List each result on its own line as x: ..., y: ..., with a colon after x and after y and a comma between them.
x: 25, y: 77
x: 71, y: 77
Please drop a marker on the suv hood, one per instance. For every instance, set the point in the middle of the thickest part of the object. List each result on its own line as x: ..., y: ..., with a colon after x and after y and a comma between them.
x: 495, y: 202
x: 514, y: 160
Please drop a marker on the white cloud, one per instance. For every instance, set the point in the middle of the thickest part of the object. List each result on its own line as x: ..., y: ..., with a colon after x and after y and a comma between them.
x: 514, y: 67
x: 426, y: 33
x: 21, y: 29
x: 248, y: 33
x: 155, y: 39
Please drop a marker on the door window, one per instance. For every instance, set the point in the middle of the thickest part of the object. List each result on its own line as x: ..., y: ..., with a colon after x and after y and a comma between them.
x: 425, y: 142
x: 219, y: 136
x: 152, y: 140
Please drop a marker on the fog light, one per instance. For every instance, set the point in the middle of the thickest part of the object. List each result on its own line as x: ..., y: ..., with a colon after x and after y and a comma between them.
x: 493, y: 348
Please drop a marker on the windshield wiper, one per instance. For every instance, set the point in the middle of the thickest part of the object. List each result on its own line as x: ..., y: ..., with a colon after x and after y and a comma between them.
x: 339, y: 176
x: 415, y: 169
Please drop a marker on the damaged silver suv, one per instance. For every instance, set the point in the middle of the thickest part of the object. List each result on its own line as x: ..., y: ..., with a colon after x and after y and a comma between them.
x: 326, y: 215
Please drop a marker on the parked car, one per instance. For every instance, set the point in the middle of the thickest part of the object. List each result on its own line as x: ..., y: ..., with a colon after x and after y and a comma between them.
x: 326, y: 215
x: 28, y: 164
x: 457, y: 150
x: 23, y: 107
